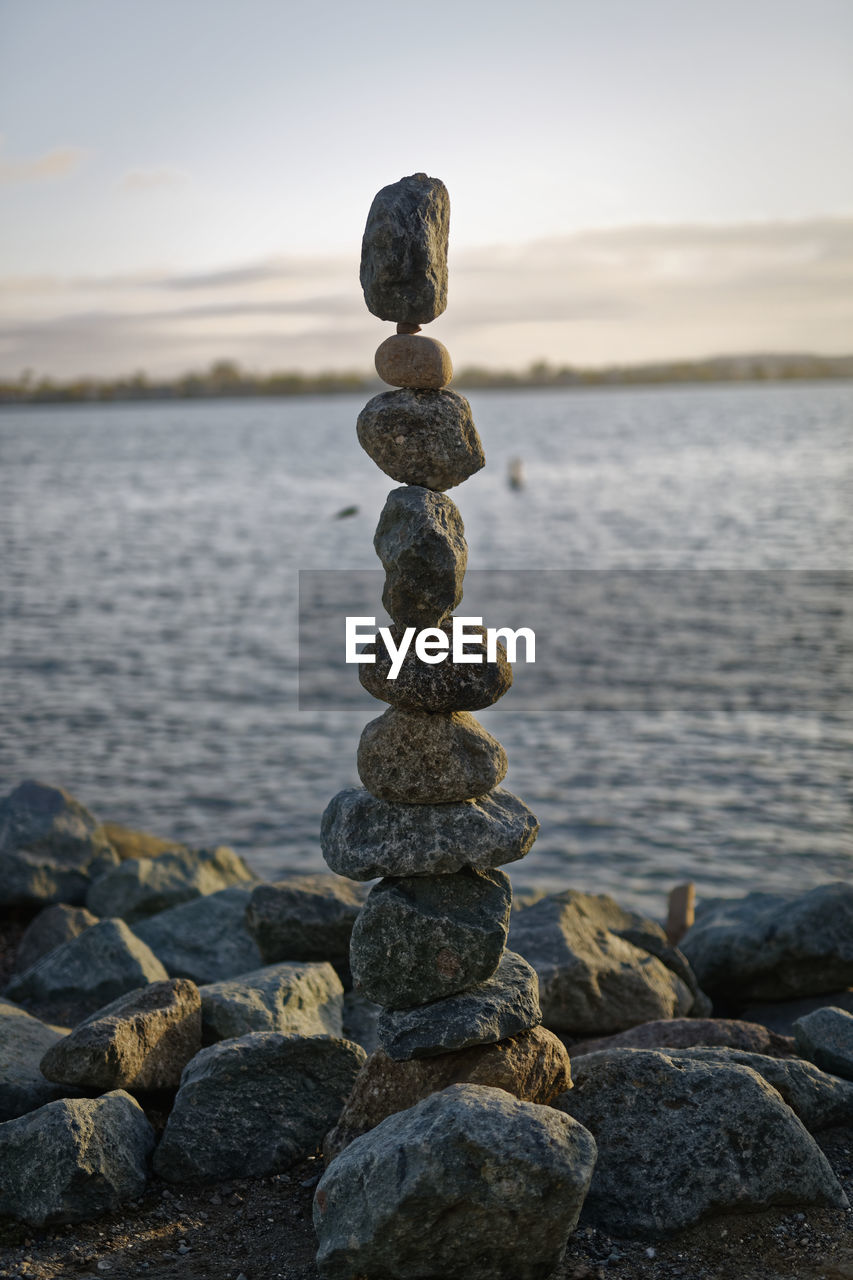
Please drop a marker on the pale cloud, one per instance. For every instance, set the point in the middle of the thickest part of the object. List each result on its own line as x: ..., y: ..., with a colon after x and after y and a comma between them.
x: 58, y: 163
x: 151, y: 179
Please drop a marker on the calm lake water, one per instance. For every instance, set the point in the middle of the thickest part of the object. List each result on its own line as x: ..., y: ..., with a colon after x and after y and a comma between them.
x: 684, y: 554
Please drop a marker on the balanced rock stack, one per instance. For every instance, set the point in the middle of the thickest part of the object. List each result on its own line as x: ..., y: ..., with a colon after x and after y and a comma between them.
x: 431, y: 819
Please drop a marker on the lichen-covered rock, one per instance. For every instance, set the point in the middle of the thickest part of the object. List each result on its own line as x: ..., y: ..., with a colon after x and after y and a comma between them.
x: 420, y: 540
x: 425, y: 438
x: 141, y: 887
x: 50, y: 847
x: 206, y: 939
x: 50, y: 928
x: 253, y: 1105
x: 24, y: 1040
x: 74, y: 1159
x: 304, y: 917
x: 533, y: 1066
x: 680, y: 1139
x: 825, y: 1037
x: 502, y: 1006
x: 84, y: 974
x: 294, y: 999
x: 365, y: 838
x: 422, y: 938
x: 469, y: 1184
x: 437, y: 686
x: 415, y: 361
x: 408, y: 757
x: 404, y: 250
x: 142, y: 1041
x: 687, y: 1033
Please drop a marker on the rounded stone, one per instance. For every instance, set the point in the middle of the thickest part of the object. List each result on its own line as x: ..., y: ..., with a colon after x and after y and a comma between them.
x: 420, y: 539
x: 422, y: 938
x: 404, y: 251
x: 414, y: 360
x: 438, y: 686
x: 413, y: 758
x: 421, y: 437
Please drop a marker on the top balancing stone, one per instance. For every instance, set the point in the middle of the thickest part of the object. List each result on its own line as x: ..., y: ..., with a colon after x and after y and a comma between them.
x: 404, y: 251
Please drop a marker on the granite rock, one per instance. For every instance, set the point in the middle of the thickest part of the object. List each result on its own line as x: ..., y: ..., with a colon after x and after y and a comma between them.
x: 408, y: 757
x: 404, y: 251
x: 469, y: 1184
x: 50, y: 928
x: 206, y: 939
x: 364, y: 838
x: 141, y: 887
x: 425, y: 438
x: 304, y: 917
x: 294, y: 999
x: 687, y: 1033
x: 420, y: 539
x: 825, y: 1037
x: 256, y: 1104
x: 437, y: 686
x: 421, y: 938
x: 414, y: 361
x: 24, y: 1040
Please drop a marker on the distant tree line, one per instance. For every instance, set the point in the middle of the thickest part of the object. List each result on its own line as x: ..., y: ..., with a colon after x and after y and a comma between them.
x: 225, y: 378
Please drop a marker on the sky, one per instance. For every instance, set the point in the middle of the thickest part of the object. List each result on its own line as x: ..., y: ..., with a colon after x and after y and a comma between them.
x: 630, y: 180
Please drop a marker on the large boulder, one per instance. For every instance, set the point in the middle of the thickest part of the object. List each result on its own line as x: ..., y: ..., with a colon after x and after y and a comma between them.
x: 420, y: 540
x: 409, y: 757
x: 294, y: 999
x: 141, y: 887
x: 773, y: 946
x: 533, y: 1066
x: 404, y: 250
x: 50, y: 847
x: 421, y: 437
x: 469, y: 1184
x: 142, y: 1041
x: 684, y: 1033
x: 84, y: 974
x: 600, y: 969
x: 49, y: 929
x: 825, y: 1037
x: 250, y: 1106
x: 680, y: 1139
x: 206, y: 939
x: 24, y: 1041
x: 304, y: 917
x: 74, y: 1159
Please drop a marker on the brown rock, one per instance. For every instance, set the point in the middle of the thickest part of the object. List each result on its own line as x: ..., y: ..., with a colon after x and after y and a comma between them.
x: 438, y: 686
x: 533, y: 1066
x: 412, y: 758
x: 138, y: 844
x: 684, y: 1033
x: 416, y: 361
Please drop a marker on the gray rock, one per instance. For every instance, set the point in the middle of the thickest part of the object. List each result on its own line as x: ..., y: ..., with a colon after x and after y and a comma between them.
x: 304, y: 917
x: 420, y: 540
x: 770, y: 946
x: 294, y: 999
x: 82, y: 975
x: 680, y: 1139
x: 426, y: 438
x: 591, y: 979
x: 470, y: 1184
x: 364, y: 838
x: 141, y: 887
x: 438, y: 686
x: 412, y: 758
x: 423, y: 938
x: 206, y: 939
x: 780, y: 1015
x: 825, y: 1037
x: 505, y: 1005
x: 686, y: 1033
x: 141, y: 1041
x: 50, y: 847
x: 24, y: 1040
x: 404, y: 251
x: 50, y: 928
x: 250, y: 1106
x: 74, y: 1159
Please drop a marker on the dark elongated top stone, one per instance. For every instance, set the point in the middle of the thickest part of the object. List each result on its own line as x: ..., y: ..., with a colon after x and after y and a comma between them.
x: 420, y: 540
x: 421, y: 437
x: 404, y: 251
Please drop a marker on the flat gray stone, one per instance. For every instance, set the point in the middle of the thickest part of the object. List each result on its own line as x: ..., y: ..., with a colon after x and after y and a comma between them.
x: 404, y: 250
x: 84, y: 974
x: 438, y: 686
x: 680, y: 1140
x: 592, y: 979
x: 771, y: 946
x: 24, y: 1040
x: 469, y: 1184
x: 688, y: 1033
x: 411, y: 758
x: 365, y: 838
x: 142, y: 1041
x: 206, y: 939
x: 254, y: 1105
x: 74, y: 1159
x: 294, y: 999
x: 420, y: 540
x: 304, y: 917
x: 504, y: 1005
x: 141, y: 887
x: 50, y: 928
x: 426, y: 438
x: 423, y: 938
x: 50, y: 847
x: 825, y: 1037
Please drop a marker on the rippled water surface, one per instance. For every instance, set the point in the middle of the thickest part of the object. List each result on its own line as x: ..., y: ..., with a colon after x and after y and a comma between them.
x: 691, y: 711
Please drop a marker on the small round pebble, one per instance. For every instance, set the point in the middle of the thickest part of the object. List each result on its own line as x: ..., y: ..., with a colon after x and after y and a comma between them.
x: 410, y: 360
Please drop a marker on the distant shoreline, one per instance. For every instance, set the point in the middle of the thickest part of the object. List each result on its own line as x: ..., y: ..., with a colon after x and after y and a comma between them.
x: 225, y: 379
